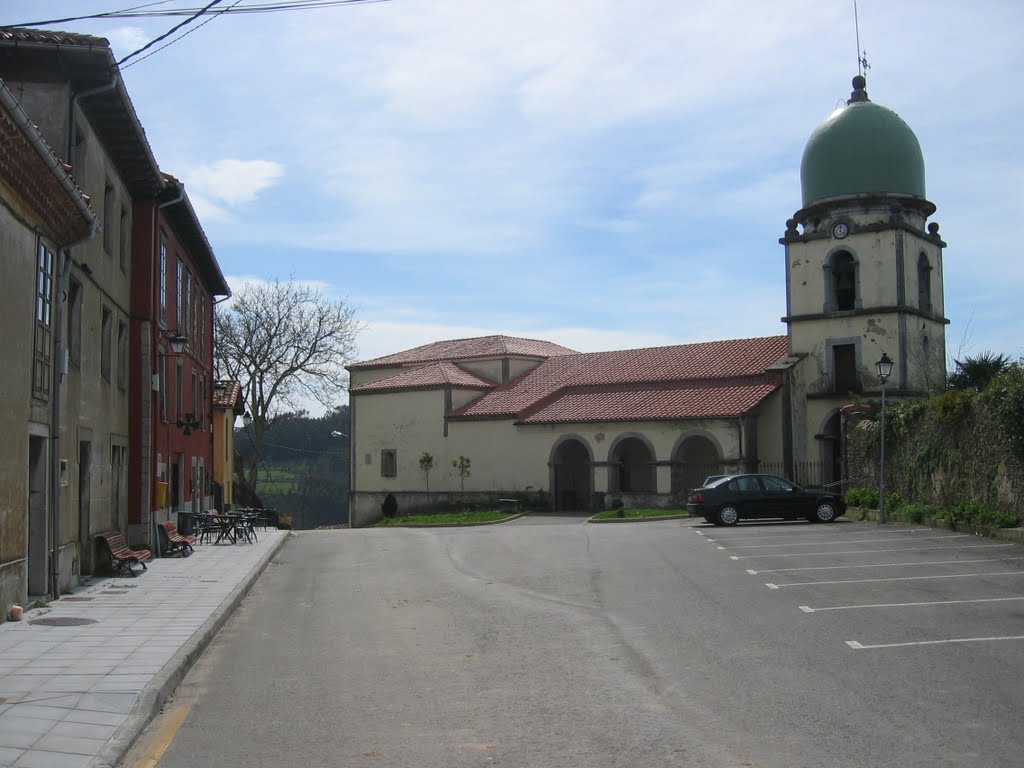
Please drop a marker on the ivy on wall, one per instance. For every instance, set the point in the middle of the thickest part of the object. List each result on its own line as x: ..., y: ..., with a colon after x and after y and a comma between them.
x: 949, y: 448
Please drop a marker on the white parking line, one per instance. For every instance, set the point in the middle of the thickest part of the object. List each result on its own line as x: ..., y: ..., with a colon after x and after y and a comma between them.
x: 895, y: 578
x: 864, y: 551
x: 855, y: 541
x: 811, y: 531
x: 883, y: 565
x: 860, y: 647
x: 808, y: 609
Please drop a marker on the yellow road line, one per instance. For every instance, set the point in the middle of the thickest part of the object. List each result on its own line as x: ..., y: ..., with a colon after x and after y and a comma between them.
x: 163, y: 737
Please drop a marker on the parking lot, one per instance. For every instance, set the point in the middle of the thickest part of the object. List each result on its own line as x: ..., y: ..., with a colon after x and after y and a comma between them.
x: 885, y: 588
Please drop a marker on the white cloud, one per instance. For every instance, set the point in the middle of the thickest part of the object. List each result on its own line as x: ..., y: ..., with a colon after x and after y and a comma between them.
x: 232, y: 182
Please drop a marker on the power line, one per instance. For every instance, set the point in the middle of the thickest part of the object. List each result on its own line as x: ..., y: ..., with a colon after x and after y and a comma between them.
x: 136, y: 12
x: 170, y: 32
x: 182, y: 36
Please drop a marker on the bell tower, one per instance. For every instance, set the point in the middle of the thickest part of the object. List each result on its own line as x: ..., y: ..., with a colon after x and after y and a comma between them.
x: 863, y: 274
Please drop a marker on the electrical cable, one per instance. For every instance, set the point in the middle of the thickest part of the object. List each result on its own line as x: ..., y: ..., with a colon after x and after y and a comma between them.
x: 134, y: 12
x: 183, y: 35
x: 170, y: 32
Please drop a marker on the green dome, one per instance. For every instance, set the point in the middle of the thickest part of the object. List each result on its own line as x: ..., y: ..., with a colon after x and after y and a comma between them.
x: 861, y: 148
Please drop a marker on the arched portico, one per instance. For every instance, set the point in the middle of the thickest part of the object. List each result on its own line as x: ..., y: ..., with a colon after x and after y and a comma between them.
x: 696, y: 456
x: 571, y: 474
x: 830, y: 451
x: 632, y: 467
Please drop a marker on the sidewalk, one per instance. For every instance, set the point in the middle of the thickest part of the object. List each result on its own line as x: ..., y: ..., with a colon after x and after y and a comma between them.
x: 77, y: 694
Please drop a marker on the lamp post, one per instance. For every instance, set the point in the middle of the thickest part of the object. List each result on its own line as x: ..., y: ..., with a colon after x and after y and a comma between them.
x: 884, y: 369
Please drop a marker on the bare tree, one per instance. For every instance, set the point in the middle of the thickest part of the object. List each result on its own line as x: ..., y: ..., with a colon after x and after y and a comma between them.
x: 284, y: 342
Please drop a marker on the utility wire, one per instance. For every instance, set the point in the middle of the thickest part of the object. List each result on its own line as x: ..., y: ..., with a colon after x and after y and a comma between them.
x: 169, y: 32
x: 135, y: 12
x: 183, y: 35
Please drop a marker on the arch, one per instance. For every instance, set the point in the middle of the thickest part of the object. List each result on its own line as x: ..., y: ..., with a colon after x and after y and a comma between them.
x: 572, y: 473
x: 695, y: 456
x: 632, y: 467
x: 924, y: 283
x: 842, y: 281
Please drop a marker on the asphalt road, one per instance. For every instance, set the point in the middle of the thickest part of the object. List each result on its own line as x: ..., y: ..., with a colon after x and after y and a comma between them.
x: 549, y: 642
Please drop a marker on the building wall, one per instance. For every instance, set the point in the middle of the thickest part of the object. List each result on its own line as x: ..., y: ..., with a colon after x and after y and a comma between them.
x: 18, y: 244
x: 508, y: 458
x: 888, y: 316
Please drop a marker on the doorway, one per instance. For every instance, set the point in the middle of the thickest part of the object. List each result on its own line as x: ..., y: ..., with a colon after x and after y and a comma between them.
x: 84, y: 505
x: 38, y: 541
x: 572, y: 476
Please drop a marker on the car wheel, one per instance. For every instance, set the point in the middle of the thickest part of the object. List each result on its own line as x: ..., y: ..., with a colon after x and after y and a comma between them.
x: 728, y: 515
x: 825, y: 513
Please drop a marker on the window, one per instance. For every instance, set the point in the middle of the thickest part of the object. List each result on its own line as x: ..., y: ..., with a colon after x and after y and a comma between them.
x: 106, y: 327
x: 109, y: 203
x: 41, y: 355
x: 189, y: 310
x: 195, y: 397
x: 924, y: 283
x: 389, y: 463
x: 178, y: 309
x: 844, y: 368
x: 163, y: 386
x: 844, y: 283
x: 179, y: 387
x: 122, y: 356
x: 163, y: 279
x: 74, y: 328
x: 126, y: 233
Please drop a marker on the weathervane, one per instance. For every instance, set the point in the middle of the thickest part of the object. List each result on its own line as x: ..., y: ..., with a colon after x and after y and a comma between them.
x: 862, y: 56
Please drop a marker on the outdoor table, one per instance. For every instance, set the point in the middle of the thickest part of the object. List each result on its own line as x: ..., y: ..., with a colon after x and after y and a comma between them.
x: 228, y: 525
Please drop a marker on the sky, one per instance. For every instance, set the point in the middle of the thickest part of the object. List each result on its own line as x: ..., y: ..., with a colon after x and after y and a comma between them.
x: 596, y: 173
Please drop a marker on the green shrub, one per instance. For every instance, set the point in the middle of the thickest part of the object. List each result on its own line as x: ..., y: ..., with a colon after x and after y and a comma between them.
x: 893, y: 502
x: 916, y: 513
x: 862, y: 497
x: 975, y: 512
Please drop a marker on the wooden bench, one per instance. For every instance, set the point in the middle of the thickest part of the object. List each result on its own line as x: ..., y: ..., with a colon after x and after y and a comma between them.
x: 171, y: 541
x: 121, y: 555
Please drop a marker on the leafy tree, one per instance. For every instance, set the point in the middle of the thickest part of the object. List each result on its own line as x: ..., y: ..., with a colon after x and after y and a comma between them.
x: 426, y: 464
x: 462, y: 466
x: 977, y: 372
x: 283, y: 342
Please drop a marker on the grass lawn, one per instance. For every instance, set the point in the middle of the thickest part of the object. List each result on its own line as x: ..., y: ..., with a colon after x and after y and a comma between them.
x: 447, y: 518
x: 612, y: 513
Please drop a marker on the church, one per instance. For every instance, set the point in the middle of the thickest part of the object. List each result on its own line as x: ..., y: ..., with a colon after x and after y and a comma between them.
x: 585, y: 431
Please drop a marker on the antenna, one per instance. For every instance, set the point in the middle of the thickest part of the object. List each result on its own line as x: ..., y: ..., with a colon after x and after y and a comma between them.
x: 862, y: 56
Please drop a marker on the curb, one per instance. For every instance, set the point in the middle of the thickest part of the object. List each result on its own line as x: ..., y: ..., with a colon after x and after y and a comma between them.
x: 1015, y: 535
x: 651, y: 519
x: 166, y: 681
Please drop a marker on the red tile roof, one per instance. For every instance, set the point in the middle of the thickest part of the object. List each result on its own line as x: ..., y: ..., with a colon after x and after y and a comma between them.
x: 700, y: 401
x: 426, y: 377
x: 719, y: 367
x: 231, y: 397
x: 465, y: 349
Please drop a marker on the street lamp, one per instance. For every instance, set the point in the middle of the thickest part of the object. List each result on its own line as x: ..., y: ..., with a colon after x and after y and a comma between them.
x: 884, y: 369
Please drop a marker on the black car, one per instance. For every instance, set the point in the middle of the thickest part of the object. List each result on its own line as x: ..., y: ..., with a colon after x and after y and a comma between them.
x: 728, y: 500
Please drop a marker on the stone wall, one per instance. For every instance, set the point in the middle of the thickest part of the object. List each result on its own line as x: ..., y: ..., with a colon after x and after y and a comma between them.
x: 940, y: 455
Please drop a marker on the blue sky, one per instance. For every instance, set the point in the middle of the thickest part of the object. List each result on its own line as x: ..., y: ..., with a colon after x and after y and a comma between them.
x: 595, y: 173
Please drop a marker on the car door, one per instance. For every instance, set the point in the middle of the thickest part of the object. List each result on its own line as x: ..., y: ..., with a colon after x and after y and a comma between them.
x: 750, y: 496
x: 779, y: 497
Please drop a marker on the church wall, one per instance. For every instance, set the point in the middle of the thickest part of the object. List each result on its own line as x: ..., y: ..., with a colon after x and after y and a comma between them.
x: 359, y: 377
x: 489, y: 370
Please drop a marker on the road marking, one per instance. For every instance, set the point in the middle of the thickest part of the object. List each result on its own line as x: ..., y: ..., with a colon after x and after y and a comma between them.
x: 868, y: 551
x: 895, y: 578
x: 885, y: 565
x: 860, y: 647
x: 816, y: 530
x: 818, y: 543
x: 163, y: 737
x: 808, y: 609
